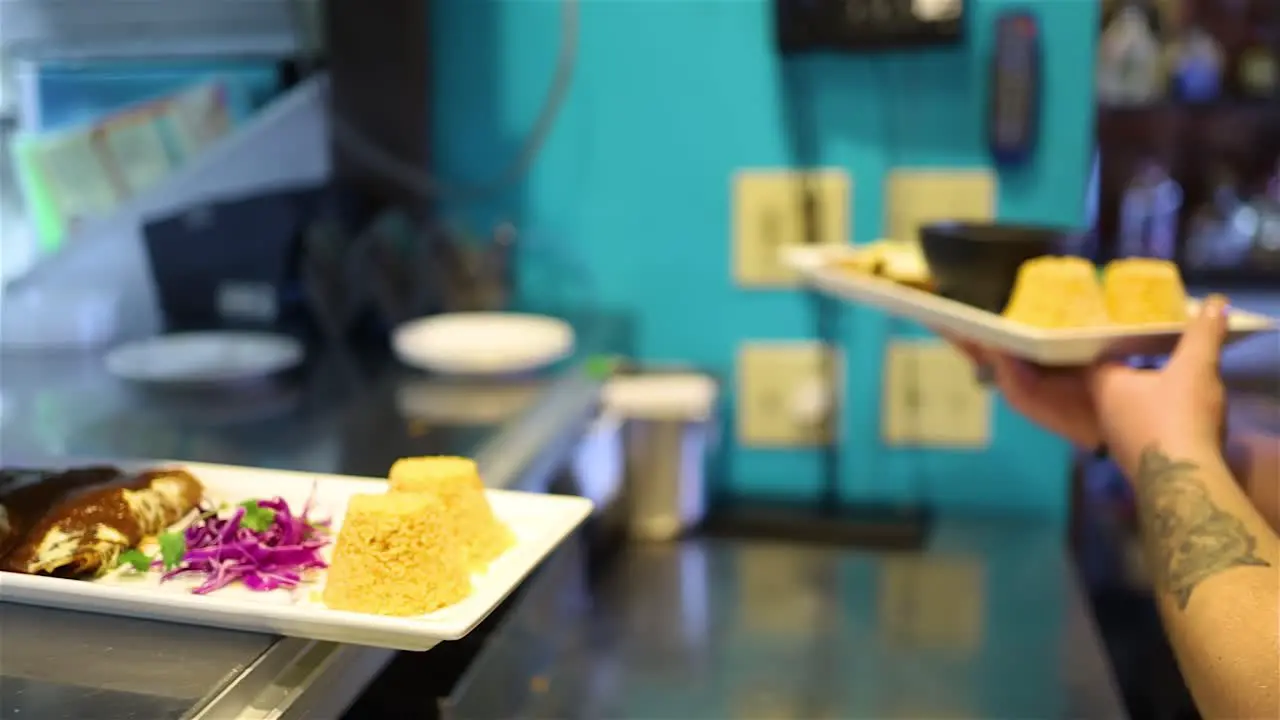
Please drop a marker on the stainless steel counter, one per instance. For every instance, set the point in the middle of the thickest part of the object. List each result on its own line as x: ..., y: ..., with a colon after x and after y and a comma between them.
x: 70, y: 666
x: 340, y: 417
x: 988, y: 622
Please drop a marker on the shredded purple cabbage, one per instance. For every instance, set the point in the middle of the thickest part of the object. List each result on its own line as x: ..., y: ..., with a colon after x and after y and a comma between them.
x: 223, y: 551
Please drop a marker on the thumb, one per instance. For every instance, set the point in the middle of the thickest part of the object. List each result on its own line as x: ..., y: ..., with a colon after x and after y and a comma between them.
x: 1201, y: 343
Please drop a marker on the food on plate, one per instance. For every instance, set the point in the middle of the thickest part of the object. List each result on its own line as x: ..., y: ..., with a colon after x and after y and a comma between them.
x: 261, y: 544
x: 398, y: 554
x: 1144, y: 291
x: 27, y: 494
x: 456, y: 481
x: 1057, y: 292
x: 897, y: 260
x: 93, y: 516
x: 409, y: 551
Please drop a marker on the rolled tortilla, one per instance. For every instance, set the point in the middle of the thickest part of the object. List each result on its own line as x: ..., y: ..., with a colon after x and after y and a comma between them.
x: 29, y: 494
x: 85, y: 534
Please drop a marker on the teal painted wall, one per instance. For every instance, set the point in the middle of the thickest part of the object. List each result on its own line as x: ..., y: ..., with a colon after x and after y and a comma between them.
x: 628, y: 207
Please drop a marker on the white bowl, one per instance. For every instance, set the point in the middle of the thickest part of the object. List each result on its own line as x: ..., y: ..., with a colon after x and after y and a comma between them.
x: 483, y: 343
x: 214, y: 356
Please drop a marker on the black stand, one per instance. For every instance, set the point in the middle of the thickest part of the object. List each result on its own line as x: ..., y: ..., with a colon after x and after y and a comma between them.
x: 869, y: 526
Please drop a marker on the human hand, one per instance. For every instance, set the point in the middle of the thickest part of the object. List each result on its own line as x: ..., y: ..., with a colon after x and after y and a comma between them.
x: 1125, y: 407
x: 1056, y: 399
x: 1182, y: 405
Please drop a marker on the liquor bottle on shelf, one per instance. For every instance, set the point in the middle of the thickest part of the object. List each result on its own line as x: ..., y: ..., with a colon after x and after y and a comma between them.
x: 1259, y: 71
x: 1221, y: 231
x: 1131, y: 67
x: 1266, y: 244
x: 1196, y: 64
x: 1149, y: 213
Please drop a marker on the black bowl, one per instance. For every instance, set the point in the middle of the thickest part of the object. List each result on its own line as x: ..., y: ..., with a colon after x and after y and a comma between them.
x: 977, y: 263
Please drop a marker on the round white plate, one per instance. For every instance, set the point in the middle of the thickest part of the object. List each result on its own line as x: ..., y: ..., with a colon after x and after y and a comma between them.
x: 205, y: 357
x: 483, y: 343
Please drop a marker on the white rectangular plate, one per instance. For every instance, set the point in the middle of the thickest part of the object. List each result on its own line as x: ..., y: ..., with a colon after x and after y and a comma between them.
x: 540, y: 523
x: 1055, y: 348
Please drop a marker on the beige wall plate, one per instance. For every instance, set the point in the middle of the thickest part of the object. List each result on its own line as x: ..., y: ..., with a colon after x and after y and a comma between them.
x: 918, y: 197
x: 768, y: 217
x: 932, y: 398
x: 781, y: 387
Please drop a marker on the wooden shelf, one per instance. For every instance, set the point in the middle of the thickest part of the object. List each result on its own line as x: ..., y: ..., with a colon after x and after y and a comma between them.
x: 1194, y: 140
x: 1176, y: 107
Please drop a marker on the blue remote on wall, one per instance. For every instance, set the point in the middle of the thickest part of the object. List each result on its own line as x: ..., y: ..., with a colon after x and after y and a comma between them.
x: 1014, y: 123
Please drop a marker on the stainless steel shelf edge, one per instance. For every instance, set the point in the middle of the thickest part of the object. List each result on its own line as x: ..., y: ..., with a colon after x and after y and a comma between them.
x: 154, y: 28
x: 241, y: 692
x: 321, y: 681
x: 331, y: 676
x: 524, y: 452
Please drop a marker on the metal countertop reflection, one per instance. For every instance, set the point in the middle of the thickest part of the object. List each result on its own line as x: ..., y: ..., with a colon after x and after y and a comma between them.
x: 70, y: 666
x: 988, y: 622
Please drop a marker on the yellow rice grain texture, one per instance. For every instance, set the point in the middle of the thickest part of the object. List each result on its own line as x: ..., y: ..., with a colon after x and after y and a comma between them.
x: 456, y: 482
x: 1144, y: 291
x: 1057, y: 292
x: 397, y: 555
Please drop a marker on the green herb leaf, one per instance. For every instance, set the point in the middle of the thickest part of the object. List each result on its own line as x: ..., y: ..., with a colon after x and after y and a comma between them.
x: 173, y: 546
x: 136, y: 558
x: 601, y: 367
x: 256, y: 517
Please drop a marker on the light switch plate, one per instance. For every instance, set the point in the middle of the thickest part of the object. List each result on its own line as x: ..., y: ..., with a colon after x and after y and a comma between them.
x: 919, y: 197
x: 768, y: 217
x: 932, y: 398
x: 775, y: 381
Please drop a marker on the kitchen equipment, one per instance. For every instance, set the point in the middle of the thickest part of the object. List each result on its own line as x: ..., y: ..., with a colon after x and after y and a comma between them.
x: 1015, y: 89
x: 335, y: 279
x: 477, y: 275
x: 399, y: 268
x: 977, y: 263
x: 1062, y: 348
x: 231, y: 263
x: 669, y: 423
x: 483, y: 343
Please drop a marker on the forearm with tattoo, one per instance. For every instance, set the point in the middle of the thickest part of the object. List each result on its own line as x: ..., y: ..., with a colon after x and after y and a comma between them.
x: 1188, y: 537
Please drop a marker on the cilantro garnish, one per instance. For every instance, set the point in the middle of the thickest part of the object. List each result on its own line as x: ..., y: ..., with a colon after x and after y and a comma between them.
x: 256, y: 517
x: 136, y: 558
x: 173, y: 546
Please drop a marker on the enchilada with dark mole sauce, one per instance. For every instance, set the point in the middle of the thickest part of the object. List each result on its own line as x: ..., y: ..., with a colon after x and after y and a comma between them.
x: 78, y: 522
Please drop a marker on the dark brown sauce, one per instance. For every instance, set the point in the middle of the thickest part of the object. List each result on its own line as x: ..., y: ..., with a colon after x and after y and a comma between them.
x: 28, y: 495
x: 76, y: 501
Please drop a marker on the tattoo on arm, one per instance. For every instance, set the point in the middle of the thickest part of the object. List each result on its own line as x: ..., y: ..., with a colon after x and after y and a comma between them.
x: 1189, y: 538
